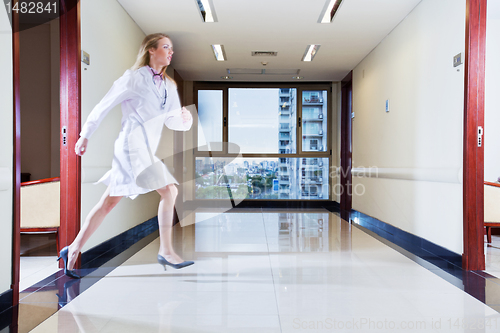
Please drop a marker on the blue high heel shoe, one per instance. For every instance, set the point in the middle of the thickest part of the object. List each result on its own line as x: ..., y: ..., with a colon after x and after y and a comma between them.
x: 162, y: 261
x: 64, y: 256
x: 68, y: 286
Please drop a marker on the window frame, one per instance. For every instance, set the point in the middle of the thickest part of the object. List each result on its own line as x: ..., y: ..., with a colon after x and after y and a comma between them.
x: 300, y: 87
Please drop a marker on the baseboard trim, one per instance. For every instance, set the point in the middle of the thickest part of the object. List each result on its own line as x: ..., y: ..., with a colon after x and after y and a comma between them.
x: 417, y: 245
x: 99, y: 260
x: 6, y: 308
x: 102, y: 253
x: 437, y: 255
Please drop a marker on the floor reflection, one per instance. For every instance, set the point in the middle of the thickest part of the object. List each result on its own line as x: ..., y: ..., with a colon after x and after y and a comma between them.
x: 264, y: 271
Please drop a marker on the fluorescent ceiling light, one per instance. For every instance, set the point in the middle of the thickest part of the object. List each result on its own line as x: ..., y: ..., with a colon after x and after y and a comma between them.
x: 219, y: 53
x: 266, y: 71
x: 207, y: 11
x: 311, y: 51
x: 329, y: 11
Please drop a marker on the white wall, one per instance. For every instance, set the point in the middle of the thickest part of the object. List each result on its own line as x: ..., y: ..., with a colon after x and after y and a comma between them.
x: 492, y: 96
x: 55, y: 108
x: 6, y: 150
x: 417, y: 146
x: 35, y: 54
x: 112, y: 39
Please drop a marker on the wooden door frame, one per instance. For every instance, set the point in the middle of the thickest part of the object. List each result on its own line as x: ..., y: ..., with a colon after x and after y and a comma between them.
x: 70, y: 97
x: 70, y: 104
x: 16, y: 207
x: 473, y: 158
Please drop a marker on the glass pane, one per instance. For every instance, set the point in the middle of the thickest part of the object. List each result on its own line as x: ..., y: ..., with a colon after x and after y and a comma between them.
x: 314, y: 121
x: 210, y: 120
x: 257, y: 178
x: 263, y: 120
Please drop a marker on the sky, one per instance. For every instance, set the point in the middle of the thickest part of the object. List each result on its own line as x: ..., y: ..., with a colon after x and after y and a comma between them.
x: 209, y: 117
x: 253, y: 118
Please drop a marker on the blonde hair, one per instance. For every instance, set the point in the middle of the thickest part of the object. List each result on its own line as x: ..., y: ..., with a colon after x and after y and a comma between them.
x: 143, y: 58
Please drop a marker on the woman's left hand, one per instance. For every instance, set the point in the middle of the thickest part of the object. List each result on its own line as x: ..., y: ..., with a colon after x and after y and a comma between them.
x: 186, y: 115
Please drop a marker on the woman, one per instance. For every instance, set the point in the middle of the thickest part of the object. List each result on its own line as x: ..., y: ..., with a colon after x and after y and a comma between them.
x: 149, y: 99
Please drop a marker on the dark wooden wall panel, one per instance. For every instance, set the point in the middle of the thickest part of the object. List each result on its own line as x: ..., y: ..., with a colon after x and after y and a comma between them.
x: 346, y: 144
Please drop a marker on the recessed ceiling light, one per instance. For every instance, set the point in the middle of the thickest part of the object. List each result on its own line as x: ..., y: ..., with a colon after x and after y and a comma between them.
x: 297, y: 77
x: 264, y: 53
x: 226, y: 77
x: 329, y: 11
x: 206, y: 8
x: 219, y: 52
x: 311, y: 51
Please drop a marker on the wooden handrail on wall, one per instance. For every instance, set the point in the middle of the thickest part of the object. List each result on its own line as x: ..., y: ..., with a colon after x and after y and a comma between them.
x: 492, y: 184
x: 41, y: 181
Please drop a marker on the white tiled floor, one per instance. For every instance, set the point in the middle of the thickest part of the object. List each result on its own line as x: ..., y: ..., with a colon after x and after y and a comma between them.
x: 492, y: 252
x: 38, y: 258
x: 273, y: 272
x: 35, y: 269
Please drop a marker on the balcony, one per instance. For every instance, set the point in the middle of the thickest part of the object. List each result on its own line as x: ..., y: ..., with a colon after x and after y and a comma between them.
x: 284, y: 191
x: 313, y: 180
x: 313, y: 134
x: 312, y: 101
x: 284, y: 181
x: 310, y: 165
x: 309, y: 194
x: 312, y: 117
x: 285, y: 128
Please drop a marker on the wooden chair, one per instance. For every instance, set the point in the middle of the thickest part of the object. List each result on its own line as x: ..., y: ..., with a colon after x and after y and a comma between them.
x: 40, y: 205
x: 491, y: 207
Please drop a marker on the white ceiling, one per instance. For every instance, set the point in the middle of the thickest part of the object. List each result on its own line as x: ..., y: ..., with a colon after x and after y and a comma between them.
x: 269, y: 25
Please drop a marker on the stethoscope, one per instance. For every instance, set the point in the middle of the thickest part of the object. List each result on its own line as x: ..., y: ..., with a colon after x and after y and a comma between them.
x: 164, y: 87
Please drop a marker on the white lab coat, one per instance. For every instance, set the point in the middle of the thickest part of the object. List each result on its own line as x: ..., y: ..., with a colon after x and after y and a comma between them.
x: 135, y: 170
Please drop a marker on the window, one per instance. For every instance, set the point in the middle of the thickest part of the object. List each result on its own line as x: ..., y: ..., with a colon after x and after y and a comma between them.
x: 314, y: 120
x: 253, y: 178
x: 264, y: 157
x: 257, y: 121
x: 210, y: 120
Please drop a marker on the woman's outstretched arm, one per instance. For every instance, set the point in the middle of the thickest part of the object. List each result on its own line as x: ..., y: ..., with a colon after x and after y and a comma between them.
x: 120, y: 91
